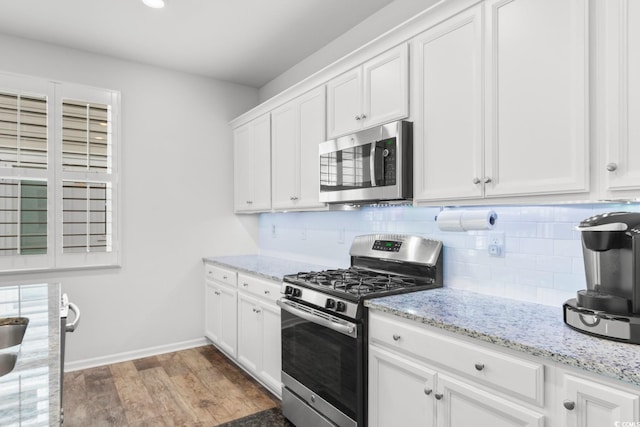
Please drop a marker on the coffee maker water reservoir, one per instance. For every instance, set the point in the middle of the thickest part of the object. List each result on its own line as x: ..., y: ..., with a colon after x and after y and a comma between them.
x: 610, y: 306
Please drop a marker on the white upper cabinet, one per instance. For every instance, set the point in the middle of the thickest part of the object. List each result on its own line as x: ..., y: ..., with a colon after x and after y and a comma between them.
x: 447, y: 70
x: 297, y: 129
x: 501, y: 102
x: 536, y: 99
x: 619, y: 92
x: 252, y: 165
x: 373, y: 93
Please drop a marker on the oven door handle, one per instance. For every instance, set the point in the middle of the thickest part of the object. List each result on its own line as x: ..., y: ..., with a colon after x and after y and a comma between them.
x: 345, y: 328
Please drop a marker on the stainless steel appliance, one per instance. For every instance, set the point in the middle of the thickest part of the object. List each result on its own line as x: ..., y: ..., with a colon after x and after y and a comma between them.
x: 369, y: 166
x: 324, y: 327
x: 65, y: 326
x: 610, y: 306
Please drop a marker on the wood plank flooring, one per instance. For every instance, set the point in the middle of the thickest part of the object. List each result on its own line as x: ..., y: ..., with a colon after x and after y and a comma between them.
x: 195, y: 387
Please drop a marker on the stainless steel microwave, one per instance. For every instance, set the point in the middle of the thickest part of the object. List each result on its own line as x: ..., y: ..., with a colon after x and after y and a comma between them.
x: 368, y: 166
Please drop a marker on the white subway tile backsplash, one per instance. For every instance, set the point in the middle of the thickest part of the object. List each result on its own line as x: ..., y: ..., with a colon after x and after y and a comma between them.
x: 542, y: 259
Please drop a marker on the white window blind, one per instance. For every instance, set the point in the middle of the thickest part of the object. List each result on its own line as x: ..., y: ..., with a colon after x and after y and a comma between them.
x: 23, y: 131
x: 58, y: 175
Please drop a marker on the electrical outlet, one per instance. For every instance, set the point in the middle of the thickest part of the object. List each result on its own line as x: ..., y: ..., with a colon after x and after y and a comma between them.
x: 495, y: 245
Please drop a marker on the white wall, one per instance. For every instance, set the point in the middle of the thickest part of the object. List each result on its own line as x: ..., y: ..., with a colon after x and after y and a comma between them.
x: 377, y: 24
x: 176, y: 200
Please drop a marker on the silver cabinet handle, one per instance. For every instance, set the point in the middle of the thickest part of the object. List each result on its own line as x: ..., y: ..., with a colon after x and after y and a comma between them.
x: 224, y: 277
x: 363, y: 116
x: 245, y: 285
x: 487, y: 180
x: 267, y: 292
x: 569, y: 404
x: 358, y: 117
x: 256, y: 310
x: 293, y: 198
x: 479, y: 366
x: 427, y: 391
x: 438, y: 396
x: 612, y: 167
x: 249, y: 202
x: 476, y: 180
x: 396, y: 337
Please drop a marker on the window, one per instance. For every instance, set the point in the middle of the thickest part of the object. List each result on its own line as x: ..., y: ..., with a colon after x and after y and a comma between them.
x: 58, y: 175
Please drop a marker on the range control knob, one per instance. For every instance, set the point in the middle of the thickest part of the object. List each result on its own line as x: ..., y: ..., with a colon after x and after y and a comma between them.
x: 296, y: 292
x: 340, y: 306
x: 288, y: 290
x: 331, y: 303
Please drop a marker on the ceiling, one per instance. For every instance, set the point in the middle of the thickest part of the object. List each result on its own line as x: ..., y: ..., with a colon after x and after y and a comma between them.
x: 248, y: 42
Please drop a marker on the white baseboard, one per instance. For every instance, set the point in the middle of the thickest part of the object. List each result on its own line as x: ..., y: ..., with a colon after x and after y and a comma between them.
x: 132, y: 355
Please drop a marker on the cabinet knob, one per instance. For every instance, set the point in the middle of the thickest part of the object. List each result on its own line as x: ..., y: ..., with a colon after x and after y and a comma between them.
x: 224, y: 277
x: 245, y: 285
x: 249, y: 202
x: 363, y: 116
x: 358, y: 117
x: 479, y: 366
x: 612, y: 167
x: 267, y: 292
x: 438, y: 396
x: 217, y: 293
x: 396, y: 337
x: 257, y: 310
x: 569, y: 404
x: 486, y: 180
x: 293, y: 198
x: 476, y: 180
x: 427, y: 391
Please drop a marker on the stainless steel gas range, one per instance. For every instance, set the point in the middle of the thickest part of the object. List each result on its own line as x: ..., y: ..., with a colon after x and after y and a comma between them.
x: 324, y: 327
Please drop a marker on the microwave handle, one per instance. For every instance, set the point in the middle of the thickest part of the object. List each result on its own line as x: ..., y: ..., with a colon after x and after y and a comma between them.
x: 372, y: 163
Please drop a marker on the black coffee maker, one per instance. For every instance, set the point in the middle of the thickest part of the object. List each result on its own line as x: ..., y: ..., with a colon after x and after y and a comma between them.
x: 610, y: 306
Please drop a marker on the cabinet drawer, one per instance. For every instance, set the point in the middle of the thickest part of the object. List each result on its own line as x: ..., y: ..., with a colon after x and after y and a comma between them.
x: 259, y: 287
x: 220, y: 274
x: 506, y: 372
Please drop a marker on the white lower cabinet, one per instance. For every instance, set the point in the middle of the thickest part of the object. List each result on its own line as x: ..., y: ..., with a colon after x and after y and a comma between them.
x: 259, y: 348
x: 220, y: 308
x: 400, y: 391
x: 244, y: 322
x: 418, y: 376
x: 587, y: 403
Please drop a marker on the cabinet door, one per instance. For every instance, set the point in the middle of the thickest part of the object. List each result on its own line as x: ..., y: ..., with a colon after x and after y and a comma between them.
x: 285, y: 155
x: 243, y: 167
x: 448, y: 132
x: 386, y: 87
x: 461, y: 404
x: 249, y: 333
x: 312, y: 133
x: 596, y: 405
x: 344, y: 103
x: 400, y: 391
x: 620, y: 89
x: 536, y: 97
x: 262, y: 163
x: 212, y: 312
x: 228, y: 335
x: 271, y: 347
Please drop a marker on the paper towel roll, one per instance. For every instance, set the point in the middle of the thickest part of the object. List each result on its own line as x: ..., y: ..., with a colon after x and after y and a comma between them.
x: 466, y: 220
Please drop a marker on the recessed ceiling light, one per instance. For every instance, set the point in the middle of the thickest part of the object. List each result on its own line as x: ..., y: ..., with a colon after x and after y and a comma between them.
x: 156, y: 4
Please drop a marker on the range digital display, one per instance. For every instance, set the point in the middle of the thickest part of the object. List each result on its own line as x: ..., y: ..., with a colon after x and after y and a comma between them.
x: 387, y: 245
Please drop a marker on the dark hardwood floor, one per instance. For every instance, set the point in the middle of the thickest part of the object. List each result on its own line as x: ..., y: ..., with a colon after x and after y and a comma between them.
x: 195, y: 387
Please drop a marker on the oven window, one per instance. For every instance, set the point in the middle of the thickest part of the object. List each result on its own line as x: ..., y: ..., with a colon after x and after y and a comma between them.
x: 322, y: 360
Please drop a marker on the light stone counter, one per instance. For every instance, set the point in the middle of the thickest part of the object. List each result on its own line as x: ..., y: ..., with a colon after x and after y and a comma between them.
x: 30, y: 394
x: 268, y: 267
x: 534, y: 329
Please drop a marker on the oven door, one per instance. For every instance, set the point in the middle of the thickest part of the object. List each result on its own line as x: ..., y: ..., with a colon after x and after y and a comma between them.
x: 322, y: 366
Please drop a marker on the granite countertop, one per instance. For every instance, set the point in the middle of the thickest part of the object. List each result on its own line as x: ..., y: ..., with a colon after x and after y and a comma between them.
x: 30, y: 394
x: 268, y: 267
x: 535, y: 329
